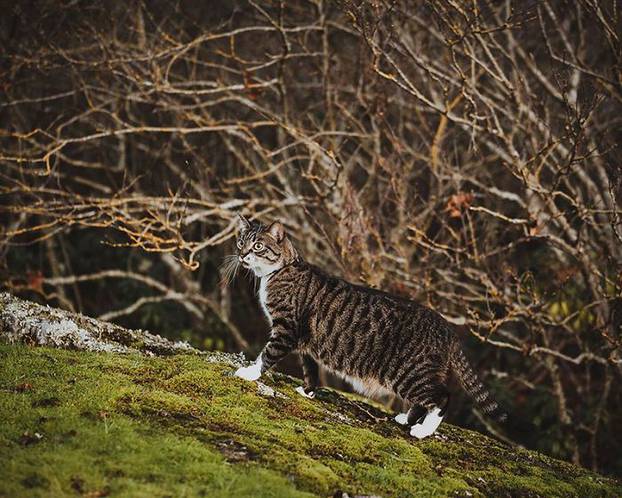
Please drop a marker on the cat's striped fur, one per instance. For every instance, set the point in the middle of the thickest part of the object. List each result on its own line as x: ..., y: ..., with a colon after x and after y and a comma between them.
x: 376, y: 340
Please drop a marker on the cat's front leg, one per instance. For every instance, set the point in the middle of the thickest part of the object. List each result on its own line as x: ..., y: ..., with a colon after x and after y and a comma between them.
x: 281, y: 343
x: 311, y: 375
x: 252, y: 372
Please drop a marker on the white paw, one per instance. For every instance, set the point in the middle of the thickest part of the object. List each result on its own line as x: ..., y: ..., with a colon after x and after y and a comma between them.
x: 419, y: 431
x: 249, y: 373
x: 300, y: 390
x: 401, y: 418
x: 428, y: 426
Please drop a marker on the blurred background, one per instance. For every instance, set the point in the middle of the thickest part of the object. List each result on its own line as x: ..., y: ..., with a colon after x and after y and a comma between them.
x: 464, y: 154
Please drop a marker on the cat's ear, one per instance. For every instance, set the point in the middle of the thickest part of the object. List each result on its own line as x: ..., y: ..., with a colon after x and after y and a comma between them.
x: 277, y: 231
x: 243, y: 223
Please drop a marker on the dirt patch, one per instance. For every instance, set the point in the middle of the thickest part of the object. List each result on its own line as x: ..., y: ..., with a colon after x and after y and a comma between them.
x: 46, y: 402
x: 234, y: 451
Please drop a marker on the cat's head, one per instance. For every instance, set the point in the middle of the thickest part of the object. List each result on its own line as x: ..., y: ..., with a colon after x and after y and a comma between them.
x: 263, y: 249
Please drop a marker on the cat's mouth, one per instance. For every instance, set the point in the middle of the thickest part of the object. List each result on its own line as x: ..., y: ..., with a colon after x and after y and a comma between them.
x: 250, y: 265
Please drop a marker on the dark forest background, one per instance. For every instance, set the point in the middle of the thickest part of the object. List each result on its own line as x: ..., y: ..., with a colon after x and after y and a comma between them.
x: 464, y: 154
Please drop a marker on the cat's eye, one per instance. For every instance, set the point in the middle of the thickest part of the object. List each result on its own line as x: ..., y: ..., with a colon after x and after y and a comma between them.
x: 239, y: 244
x: 257, y: 246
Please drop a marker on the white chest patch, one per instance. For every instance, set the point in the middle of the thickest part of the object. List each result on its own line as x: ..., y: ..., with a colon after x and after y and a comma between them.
x: 263, y: 297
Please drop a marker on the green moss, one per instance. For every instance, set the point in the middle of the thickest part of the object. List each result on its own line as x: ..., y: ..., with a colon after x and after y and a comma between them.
x: 129, y: 425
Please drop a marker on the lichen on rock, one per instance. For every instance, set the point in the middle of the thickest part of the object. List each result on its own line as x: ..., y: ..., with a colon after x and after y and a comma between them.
x: 27, y: 322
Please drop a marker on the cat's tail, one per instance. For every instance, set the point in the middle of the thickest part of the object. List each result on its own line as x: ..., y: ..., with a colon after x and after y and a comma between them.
x: 472, y: 385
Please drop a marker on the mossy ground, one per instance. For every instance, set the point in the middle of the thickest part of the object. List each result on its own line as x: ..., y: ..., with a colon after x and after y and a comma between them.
x: 101, y: 424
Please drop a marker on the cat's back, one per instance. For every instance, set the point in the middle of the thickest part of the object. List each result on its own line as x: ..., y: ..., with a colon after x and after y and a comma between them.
x: 318, y: 285
x: 326, y: 304
x: 331, y: 305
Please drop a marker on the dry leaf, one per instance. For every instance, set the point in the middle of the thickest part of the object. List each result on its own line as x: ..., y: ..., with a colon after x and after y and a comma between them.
x: 35, y: 281
x: 457, y: 203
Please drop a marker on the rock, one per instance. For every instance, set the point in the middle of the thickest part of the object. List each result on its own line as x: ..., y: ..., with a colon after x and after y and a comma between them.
x: 30, y: 323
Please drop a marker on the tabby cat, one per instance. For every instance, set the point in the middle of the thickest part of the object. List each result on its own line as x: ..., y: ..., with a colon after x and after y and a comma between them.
x: 377, y: 341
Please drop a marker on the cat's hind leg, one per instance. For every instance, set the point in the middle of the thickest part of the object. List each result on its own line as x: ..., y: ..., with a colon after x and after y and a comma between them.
x: 401, y: 418
x: 428, y: 425
x: 426, y: 416
x: 412, y: 416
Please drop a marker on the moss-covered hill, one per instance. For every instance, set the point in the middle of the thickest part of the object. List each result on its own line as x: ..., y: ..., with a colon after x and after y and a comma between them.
x: 110, y: 424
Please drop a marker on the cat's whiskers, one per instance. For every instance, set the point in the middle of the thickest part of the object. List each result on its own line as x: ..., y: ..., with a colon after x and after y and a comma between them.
x: 229, y: 269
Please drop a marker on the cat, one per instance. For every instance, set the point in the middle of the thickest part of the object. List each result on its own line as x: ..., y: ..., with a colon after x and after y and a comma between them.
x: 378, y: 341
